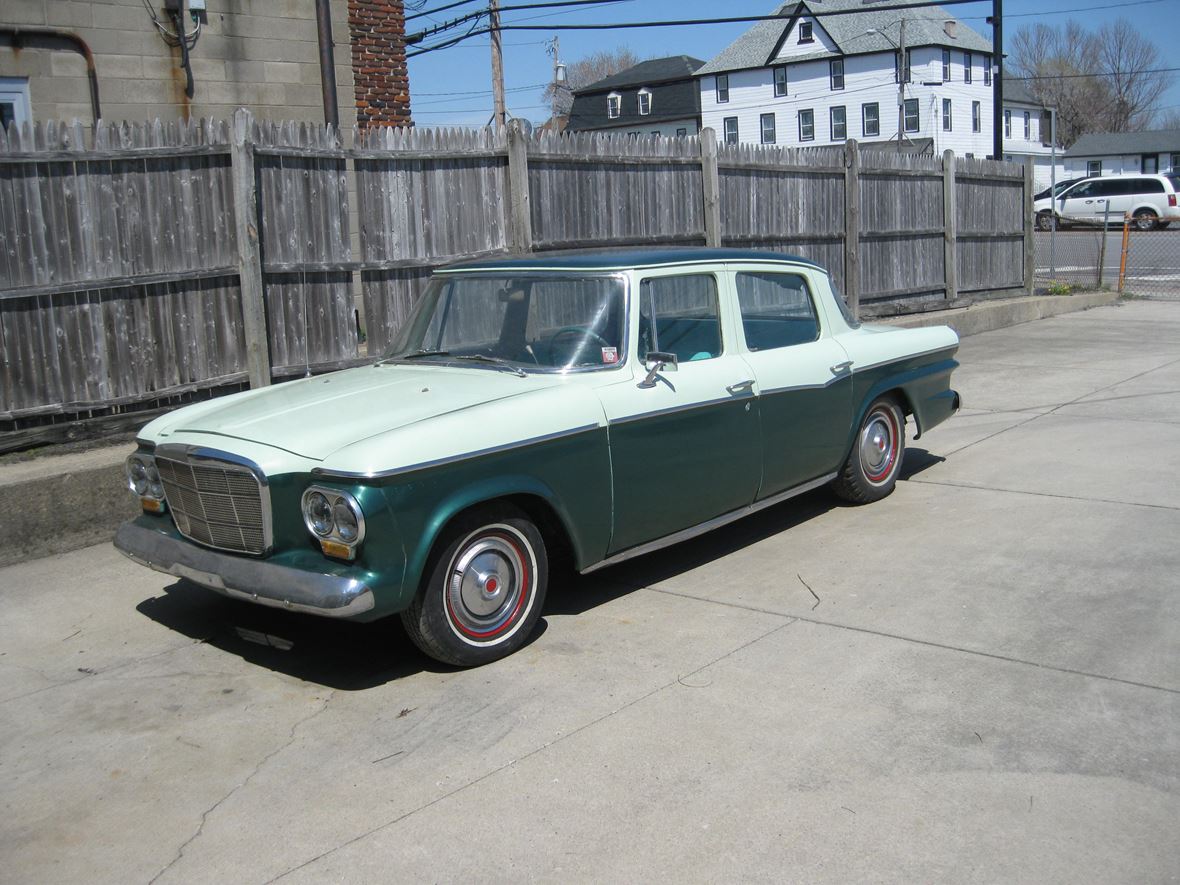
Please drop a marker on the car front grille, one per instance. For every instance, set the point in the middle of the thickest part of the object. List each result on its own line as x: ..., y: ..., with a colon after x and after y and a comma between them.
x: 215, y: 503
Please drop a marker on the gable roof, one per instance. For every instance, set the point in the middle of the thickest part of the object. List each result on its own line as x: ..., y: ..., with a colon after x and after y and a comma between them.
x: 654, y: 70
x: 923, y: 27
x: 1100, y: 144
x: 1017, y: 92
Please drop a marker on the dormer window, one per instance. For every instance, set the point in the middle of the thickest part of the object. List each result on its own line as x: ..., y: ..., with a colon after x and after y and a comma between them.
x: 644, y: 102
x: 805, y: 33
x: 614, y: 105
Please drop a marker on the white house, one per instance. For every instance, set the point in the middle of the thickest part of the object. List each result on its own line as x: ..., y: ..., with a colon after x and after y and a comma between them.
x: 1111, y: 153
x: 813, y: 79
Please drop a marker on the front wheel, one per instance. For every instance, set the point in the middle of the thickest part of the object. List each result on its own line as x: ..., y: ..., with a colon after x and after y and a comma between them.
x: 870, y: 473
x: 1145, y: 219
x: 1045, y: 221
x: 483, y: 590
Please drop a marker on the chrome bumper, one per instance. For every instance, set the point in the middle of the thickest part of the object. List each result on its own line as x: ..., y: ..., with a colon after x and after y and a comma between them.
x: 249, y: 579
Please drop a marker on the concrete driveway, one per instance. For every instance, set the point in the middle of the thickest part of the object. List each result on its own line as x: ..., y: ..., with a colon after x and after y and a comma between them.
x: 976, y: 680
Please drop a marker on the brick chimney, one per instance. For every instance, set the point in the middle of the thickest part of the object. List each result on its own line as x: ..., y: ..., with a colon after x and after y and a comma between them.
x: 377, y: 31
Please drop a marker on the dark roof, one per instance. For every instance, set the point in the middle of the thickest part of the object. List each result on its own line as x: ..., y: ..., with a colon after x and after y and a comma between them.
x: 757, y: 47
x: 604, y: 259
x: 1017, y: 91
x: 654, y: 70
x: 677, y: 100
x: 1100, y: 144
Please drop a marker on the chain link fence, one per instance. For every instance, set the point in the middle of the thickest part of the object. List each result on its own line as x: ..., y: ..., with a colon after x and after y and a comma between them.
x: 1143, y: 263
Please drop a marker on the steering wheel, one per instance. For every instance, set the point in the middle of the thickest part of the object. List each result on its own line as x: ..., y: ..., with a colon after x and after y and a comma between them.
x: 583, y: 331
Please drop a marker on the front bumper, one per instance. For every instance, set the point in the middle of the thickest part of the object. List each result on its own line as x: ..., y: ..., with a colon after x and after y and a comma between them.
x: 253, y: 580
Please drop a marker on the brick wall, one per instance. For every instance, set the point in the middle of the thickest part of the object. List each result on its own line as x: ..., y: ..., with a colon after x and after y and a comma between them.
x: 381, y: 83
x: 260, y: 54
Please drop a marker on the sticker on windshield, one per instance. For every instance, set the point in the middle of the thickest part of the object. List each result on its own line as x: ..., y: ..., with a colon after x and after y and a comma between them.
x: 610, y: 355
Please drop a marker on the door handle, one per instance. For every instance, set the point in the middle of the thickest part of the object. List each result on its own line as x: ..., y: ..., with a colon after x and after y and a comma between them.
x: 841, y: 367
x: 741, y: 386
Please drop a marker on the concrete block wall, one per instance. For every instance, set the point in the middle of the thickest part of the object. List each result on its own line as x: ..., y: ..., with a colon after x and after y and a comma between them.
x: 259, y: 54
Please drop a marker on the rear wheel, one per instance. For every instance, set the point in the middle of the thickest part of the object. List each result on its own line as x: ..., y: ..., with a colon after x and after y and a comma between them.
x: 483, y: 590
x: 1146, y: 219
x: 870, y: 473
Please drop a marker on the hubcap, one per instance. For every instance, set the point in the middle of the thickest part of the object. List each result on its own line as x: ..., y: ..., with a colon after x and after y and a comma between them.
x: 878, y: 447
x: 488, y: 584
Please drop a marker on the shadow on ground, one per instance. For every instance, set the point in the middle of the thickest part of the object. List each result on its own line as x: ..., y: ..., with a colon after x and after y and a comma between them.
x: 353, y: 657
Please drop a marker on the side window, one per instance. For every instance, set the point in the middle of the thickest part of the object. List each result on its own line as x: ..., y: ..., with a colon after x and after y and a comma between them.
x: 777, y: 310
x: 680, y: 315
x: 1148, y: 186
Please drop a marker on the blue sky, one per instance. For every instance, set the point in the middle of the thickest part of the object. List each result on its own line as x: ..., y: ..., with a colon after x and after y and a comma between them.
x: 453, y: 86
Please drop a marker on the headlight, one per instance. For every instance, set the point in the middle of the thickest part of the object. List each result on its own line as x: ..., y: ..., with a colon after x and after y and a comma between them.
x: 335, y: 519
x: 144, y: 480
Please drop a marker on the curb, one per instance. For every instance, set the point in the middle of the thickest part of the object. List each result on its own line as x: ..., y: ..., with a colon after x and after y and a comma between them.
x: 988, y: 316
x: 71, y: 501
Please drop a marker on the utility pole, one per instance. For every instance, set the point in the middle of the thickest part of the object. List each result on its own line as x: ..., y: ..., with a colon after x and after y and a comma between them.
x: 997, y: 23
x: 902, y: 71
x: 497, y: 64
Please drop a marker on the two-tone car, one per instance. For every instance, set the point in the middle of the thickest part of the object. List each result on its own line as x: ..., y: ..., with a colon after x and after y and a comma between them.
x: 594, y: 405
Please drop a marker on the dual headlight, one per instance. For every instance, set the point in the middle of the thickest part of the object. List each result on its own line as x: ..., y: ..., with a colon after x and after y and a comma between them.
x: 335, y: 519
x: 144, y: 480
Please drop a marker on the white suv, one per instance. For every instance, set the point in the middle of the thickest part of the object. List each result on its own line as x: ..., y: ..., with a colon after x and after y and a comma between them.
x: 1151, y: 200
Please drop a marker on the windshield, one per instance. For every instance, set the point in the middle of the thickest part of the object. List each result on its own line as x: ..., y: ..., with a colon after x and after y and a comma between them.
x: 521, y: 322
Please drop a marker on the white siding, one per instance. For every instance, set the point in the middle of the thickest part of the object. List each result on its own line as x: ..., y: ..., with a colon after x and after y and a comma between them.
x: 665, y: 129
x: 820, y: 42
x: 1117, y: 164
x: 867, y: 78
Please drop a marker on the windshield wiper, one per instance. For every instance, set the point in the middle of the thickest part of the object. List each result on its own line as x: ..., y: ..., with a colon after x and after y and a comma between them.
x: 496, y: 361
x: 416, y: 354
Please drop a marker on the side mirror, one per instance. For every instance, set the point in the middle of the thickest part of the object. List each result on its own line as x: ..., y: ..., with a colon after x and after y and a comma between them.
x: 655, y: 362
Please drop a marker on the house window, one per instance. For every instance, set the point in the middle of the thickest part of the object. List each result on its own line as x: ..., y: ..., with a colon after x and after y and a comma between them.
x: 807, y: 125
x: 722, y: 88
x: 870, y: 119
x: 780, y: 81
x: 805, y: 32
x: 1176, y: 162
x: 911, y: 118
x: 839, y: 124
x: 1007, y: 124
x: 836, y: 72
x: 1027, y: 126
x: 1150, y: 164
x: 967, y: 64
x: 614, y: 105
x: 14, y: 101
x: 682, y: 132
x: 976, y: 117
x: 946, y: 66
x: 768, y: 136
x: 731, y: 130
x: 987, y: 70
x: 644, y: 102
x: 946, y: 115
x: 1093, y: 168
x: 656, y: 133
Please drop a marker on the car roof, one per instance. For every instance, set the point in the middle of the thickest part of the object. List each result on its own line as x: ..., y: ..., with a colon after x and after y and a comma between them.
x: 625, y: 259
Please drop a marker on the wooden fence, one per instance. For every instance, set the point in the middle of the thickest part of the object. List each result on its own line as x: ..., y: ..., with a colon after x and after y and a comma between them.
x: 158, y: 263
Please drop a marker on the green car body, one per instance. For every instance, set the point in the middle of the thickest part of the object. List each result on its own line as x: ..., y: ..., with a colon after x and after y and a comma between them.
x: 609, y: 460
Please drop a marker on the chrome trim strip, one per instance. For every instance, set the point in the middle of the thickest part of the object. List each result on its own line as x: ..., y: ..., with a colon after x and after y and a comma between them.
x: 841, y: 377
x: 248, y: 579
x: 687, y: 407
x: 325, y: 473
x: 898, y: 359
x: 186, y: 452
x: 709, y: 525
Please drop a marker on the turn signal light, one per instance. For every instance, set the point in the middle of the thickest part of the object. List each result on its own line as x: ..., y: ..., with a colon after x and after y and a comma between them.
x: 151, y: 505
x: 337, y: 550
x: 1172, y: 200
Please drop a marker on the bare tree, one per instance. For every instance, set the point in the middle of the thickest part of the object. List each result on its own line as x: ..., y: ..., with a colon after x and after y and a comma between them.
x: 1169, y: 119
x: 1122, y: 96
x: 586, y: 71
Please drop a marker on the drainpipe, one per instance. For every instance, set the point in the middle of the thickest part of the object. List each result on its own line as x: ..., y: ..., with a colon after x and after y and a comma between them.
x: 53, y: 39
x: 323, y: 20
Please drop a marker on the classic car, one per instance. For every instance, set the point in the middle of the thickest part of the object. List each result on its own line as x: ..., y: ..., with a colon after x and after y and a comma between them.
x: 594, y: 406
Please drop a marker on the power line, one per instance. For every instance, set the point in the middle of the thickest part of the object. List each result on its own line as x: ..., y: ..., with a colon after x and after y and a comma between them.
x: 429, y: 12
x: 480, y: 13
x: 1096, y: 74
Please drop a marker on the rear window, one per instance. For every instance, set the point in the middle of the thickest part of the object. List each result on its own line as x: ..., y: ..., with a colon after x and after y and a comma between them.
x: 1175, y: 179
x: 1148, y: 186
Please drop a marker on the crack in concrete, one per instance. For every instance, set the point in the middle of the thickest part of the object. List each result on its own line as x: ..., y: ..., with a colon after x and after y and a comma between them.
x: 979, y: 488
x: 545, y: 746
x: 1063, y: 405
x: 241, y: 786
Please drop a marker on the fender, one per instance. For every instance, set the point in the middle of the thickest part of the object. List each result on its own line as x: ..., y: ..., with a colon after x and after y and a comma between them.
x: 925, y: 389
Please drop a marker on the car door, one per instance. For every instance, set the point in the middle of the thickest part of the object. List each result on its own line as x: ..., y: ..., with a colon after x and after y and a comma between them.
x: 804, y: 378
x: 684, y: 447
x: 1077, y: 203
